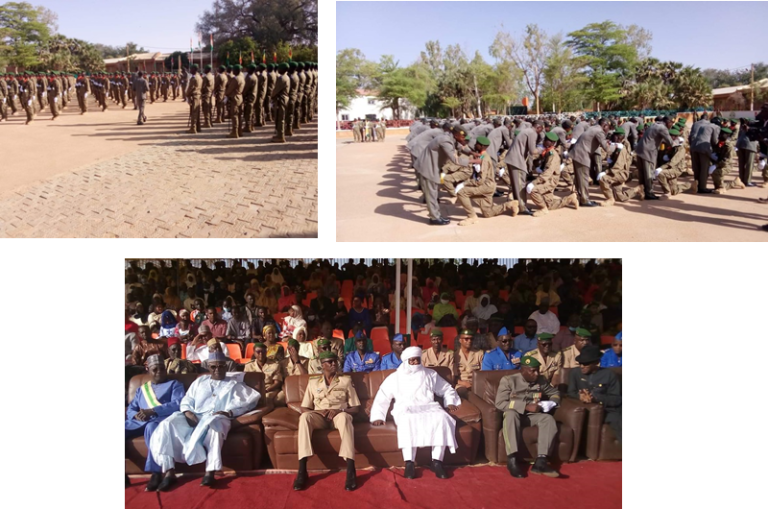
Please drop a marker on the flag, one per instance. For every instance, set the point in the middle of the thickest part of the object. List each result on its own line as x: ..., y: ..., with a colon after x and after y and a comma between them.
x: 227, y: 58
x: 274, y: 57
x: 179, y: 63
x: 264, y: 56
x: 290, y: 53
x: 241, y: 58
x: 190, y: 45
x: 252, y: 60
x: 211, y: 42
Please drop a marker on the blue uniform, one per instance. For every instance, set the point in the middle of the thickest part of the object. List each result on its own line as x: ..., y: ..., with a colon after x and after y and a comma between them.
x: 390, y: 361
x: 525, y: 344
x: 370, y: 362
x: 169, y: 395
x: 496, y: 359
x: 610, y: 359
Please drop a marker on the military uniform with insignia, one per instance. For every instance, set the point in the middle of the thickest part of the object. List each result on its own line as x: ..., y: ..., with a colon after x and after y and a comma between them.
x: 273, y: 374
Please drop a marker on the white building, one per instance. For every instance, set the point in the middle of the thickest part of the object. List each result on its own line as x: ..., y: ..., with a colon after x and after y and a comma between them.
x: 368, y: 105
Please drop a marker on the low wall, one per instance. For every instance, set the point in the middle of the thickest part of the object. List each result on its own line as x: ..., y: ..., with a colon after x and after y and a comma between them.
x: 402, y: 131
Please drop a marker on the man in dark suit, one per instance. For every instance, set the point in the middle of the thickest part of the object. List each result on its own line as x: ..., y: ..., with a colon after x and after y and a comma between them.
x: 140, y: 89
x: 581, y: 153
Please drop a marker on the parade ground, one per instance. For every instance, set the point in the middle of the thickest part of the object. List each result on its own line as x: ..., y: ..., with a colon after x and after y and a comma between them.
x: 377, y: 201
x: 101, y: 175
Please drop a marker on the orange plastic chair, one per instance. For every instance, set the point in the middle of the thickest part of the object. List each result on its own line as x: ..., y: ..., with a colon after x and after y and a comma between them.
x: 606, y: 340
x: 234, y: 351
x: 338, y: 333
x: 379, y: 333
x: 279, y: 317
x: 184, y: 351
x: 519, y: 329
x: 503, y: 295
x: 248, y: 352
x: 308, y: 298
x: 449, y: 333
x: 459, y: 297
x: 424, y: 341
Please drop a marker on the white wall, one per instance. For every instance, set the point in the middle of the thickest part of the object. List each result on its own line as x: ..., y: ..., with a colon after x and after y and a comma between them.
x: 370, y: 105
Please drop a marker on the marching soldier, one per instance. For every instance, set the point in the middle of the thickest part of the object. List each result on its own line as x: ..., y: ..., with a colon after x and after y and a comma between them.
x: 206, y: 94
x: 219, y: 87
x: 4, y: 92
x: 174, y: 84
x: 302, y: 83
x: 193, y: 98
x: 249, y: 98
x: 164, y: 84
x: 528, y: 399
x: 140, y: 89
x: 27, y: 92
x: 261, y: 91
x: 292, y: 91
x: 54, y: 91
x: 280, y: 92
x: 82, y: 89
x: 234, y: 93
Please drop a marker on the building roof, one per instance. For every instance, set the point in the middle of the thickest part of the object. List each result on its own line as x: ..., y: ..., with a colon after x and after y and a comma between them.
x: 135, y: 56
x: 367, y: 93
x: 732, y: 90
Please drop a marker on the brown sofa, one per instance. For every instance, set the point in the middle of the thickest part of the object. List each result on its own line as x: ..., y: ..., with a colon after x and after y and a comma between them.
x: 600, y: 442
x: 243, y: 448
x: 569, y: 417
x: 374, y: 446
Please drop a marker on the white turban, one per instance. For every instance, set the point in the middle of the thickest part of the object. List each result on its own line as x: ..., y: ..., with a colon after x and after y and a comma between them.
x: 410, y: 353
x: 406, y: 368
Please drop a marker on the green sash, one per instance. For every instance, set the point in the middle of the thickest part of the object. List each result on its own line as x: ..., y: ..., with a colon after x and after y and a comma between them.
x: 149, y: 395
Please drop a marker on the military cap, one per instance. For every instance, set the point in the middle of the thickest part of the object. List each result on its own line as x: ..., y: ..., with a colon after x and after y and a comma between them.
x: 584, y: 333
x: 323, y: 342
x: 461, y: 130
x: 467, y: 332
x: 619, y: 130
x: 195, y: 67
x: 208, y: 67
x: 251, y: 67
x: 726, y: 130
x: 674, y: 132
x: 293, y: 65
x: 293, y: 343
x: 436, y: 332
x: 551, y: 136
x: 327, y: 355
x: 529, y: 361
x: 259, y: 345
x: 545, y: 337
x: 482, y: 140
x: 282, y: 67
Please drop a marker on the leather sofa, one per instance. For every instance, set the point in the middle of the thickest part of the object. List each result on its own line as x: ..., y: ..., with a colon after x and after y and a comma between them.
x: 570, y: 419
x: 243, y: 448
x: 374, y: 446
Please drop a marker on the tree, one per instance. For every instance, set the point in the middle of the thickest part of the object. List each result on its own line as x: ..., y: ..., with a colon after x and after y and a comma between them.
x: 268, y: 22
x: 691, y: 89
x: 396, y: 84
x: 562, y: 80
x: 352, y: 72
x: 63, y: 54
x: 230, y: 51
x: 529, y: 54
x: 452, y: 103
x: 22, y: 29
x: 171, y: 63
x: 607, y: 58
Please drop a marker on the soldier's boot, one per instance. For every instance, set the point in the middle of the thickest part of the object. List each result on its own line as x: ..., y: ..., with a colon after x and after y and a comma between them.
x: 541, y: 212
x: 301, y: 476
x: 513, y: 206
x: 513, y: 467
x: 192, y: 130
x: 468, y: 221
x: 233, y: 134
x: 542, y: 467
x: 278, y: 139
x: 681, y: 188
x: 572, y: 200
x: 351, y: 482
x: 738, y: 184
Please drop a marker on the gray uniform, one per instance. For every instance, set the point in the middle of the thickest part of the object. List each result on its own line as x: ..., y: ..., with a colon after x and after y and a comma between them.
x: 498, y: 136
x: 630, y: 128
x: 579, y: 129
x: 481, y: 130
x: 704, y: 136
x: 420, y: 142
x: 581, y: 153
x: 746, y: 156
x: 416, y: 130
x: 648, y: 152
x: 512, y: 397
x: 440, y: 151
x: 140, y: 89
x: 522, y: 147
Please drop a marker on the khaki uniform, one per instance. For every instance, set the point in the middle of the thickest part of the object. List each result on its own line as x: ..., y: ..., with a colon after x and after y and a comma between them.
x: 481, y: 189
x: 724, y: 151
x: 339, y: 395
x: 290, y: 369
x: 513, y: 395
x: 430, y: 359
x: 249, y: 100
x: 293, y: 80
x: 551, y: 369
x: 671, y: 170
x: 261, y: 92
x: 219, y: 87
x: 3, y: 99
x: 466, y: 366
x: 54, y: 91
x: 543, y: 193
x: 301, y: 77
x: 82, y: 88
x: 205, y: 96
x: 337, y: 347
x: 612, y: 183
x: 273, y: 374
x: 234, y: 93
x: 272, y: 77
x: 193, y: 98
x: 27, y: 96
x: 569, y: 358
x: 280, y: 100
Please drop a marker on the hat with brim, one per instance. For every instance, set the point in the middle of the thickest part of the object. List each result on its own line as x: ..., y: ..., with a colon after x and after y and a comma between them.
x: 552, y: 136
x: 327, y: 356
x: 584, y: 333
x: 482, y: 140
x: 545, y: 337
x: 530, y: 362
x: 589, y: 354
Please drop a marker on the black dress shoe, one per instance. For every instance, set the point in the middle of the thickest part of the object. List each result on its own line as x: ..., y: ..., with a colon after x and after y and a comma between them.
x: 410, y: 470
x: 541, y: 467
x: 439, y: 222
x: 651, y: 196
x: 208, y: 479
x: 705, y: 191
x: 351, y: 483
x: 437, y: 467
x: 154, y: 482
x: 167, y: 482
x: 589, y: 204
x: 514, y: 469
x: 525, y: 212
x: 301, y: 480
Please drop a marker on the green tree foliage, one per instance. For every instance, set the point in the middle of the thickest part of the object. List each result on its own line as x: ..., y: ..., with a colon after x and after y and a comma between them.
x: 396, y: 84
x: 529, y: 53
x: 171, y: 63
x: 23, y: 28
x: 237, y: 47
x: 130, y: 48
x: 729, y: 78
x: 563, y: 81
x: 64, y: 54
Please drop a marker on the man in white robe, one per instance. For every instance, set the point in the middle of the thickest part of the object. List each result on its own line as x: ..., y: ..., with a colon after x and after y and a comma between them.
x: 197, y: 431
x: 420, y: 420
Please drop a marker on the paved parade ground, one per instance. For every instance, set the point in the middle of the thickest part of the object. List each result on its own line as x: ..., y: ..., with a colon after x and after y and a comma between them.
x: 377, y: 200
x: 101, y: 175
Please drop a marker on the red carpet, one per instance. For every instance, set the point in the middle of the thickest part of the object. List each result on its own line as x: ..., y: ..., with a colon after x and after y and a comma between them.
x: 583, y: 485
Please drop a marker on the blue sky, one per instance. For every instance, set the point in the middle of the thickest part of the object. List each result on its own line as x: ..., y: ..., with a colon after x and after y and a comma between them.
x: 160, y: 25
x: 682, y: 31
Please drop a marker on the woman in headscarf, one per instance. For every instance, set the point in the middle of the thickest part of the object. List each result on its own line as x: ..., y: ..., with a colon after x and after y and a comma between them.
x: 277, y: 277
x: 315, y: 282
x: 306, y: 348
x: 171, y: 298
x: 287, y: 299
x: 484, y: 310
x: 443, y: 309
x: 185, y: 329
x: 268, y: 300
x: 294, y: 320
x: 274, y: 350
x: 167, y: 323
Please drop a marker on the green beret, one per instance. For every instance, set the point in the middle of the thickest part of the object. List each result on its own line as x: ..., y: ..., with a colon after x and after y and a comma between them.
x: 552, y: 136
x: 323, y: 342
x: 436, y: 332
x: 467, y: 332
x: 529, y: 361
x: 546, y: 337
x: 195, y: 67
x: 619, y: 130
x: 282, y: 67
x: 674, y: 132
x: 293, y: 65
x: 327, y: 355
x: 293, y: 343
x: 251, y: 67
x: 726, y: 130
x: 237, y: 66
x: 259, y: 345
x: 208, y: 67
x: 517, y: 131
x: 584, y: 333
x: 482, y: 140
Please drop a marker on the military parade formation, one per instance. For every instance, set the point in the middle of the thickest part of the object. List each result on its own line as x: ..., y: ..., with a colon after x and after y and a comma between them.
x: 248, y: 98
x: 534, y: 156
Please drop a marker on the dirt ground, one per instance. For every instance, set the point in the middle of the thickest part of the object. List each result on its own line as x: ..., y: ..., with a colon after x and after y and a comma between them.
x: 377, y: 201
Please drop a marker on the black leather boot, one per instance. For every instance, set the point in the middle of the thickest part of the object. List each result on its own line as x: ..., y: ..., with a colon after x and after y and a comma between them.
x: 351, y: 483
x: 437, y: 467
x: 542, y: 467
x: 167, y: 482
x: 301, y: 477
x: 154, y: 482
x: 208, y: 479
x: 410, y: 470
x: 513, y: 467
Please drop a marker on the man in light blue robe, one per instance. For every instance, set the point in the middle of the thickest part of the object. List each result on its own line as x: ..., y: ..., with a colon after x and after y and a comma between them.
x: 153, y: 402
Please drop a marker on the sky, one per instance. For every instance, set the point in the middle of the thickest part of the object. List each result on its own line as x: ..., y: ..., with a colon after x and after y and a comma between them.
x: 682, y: 31
x: 158, y: 25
